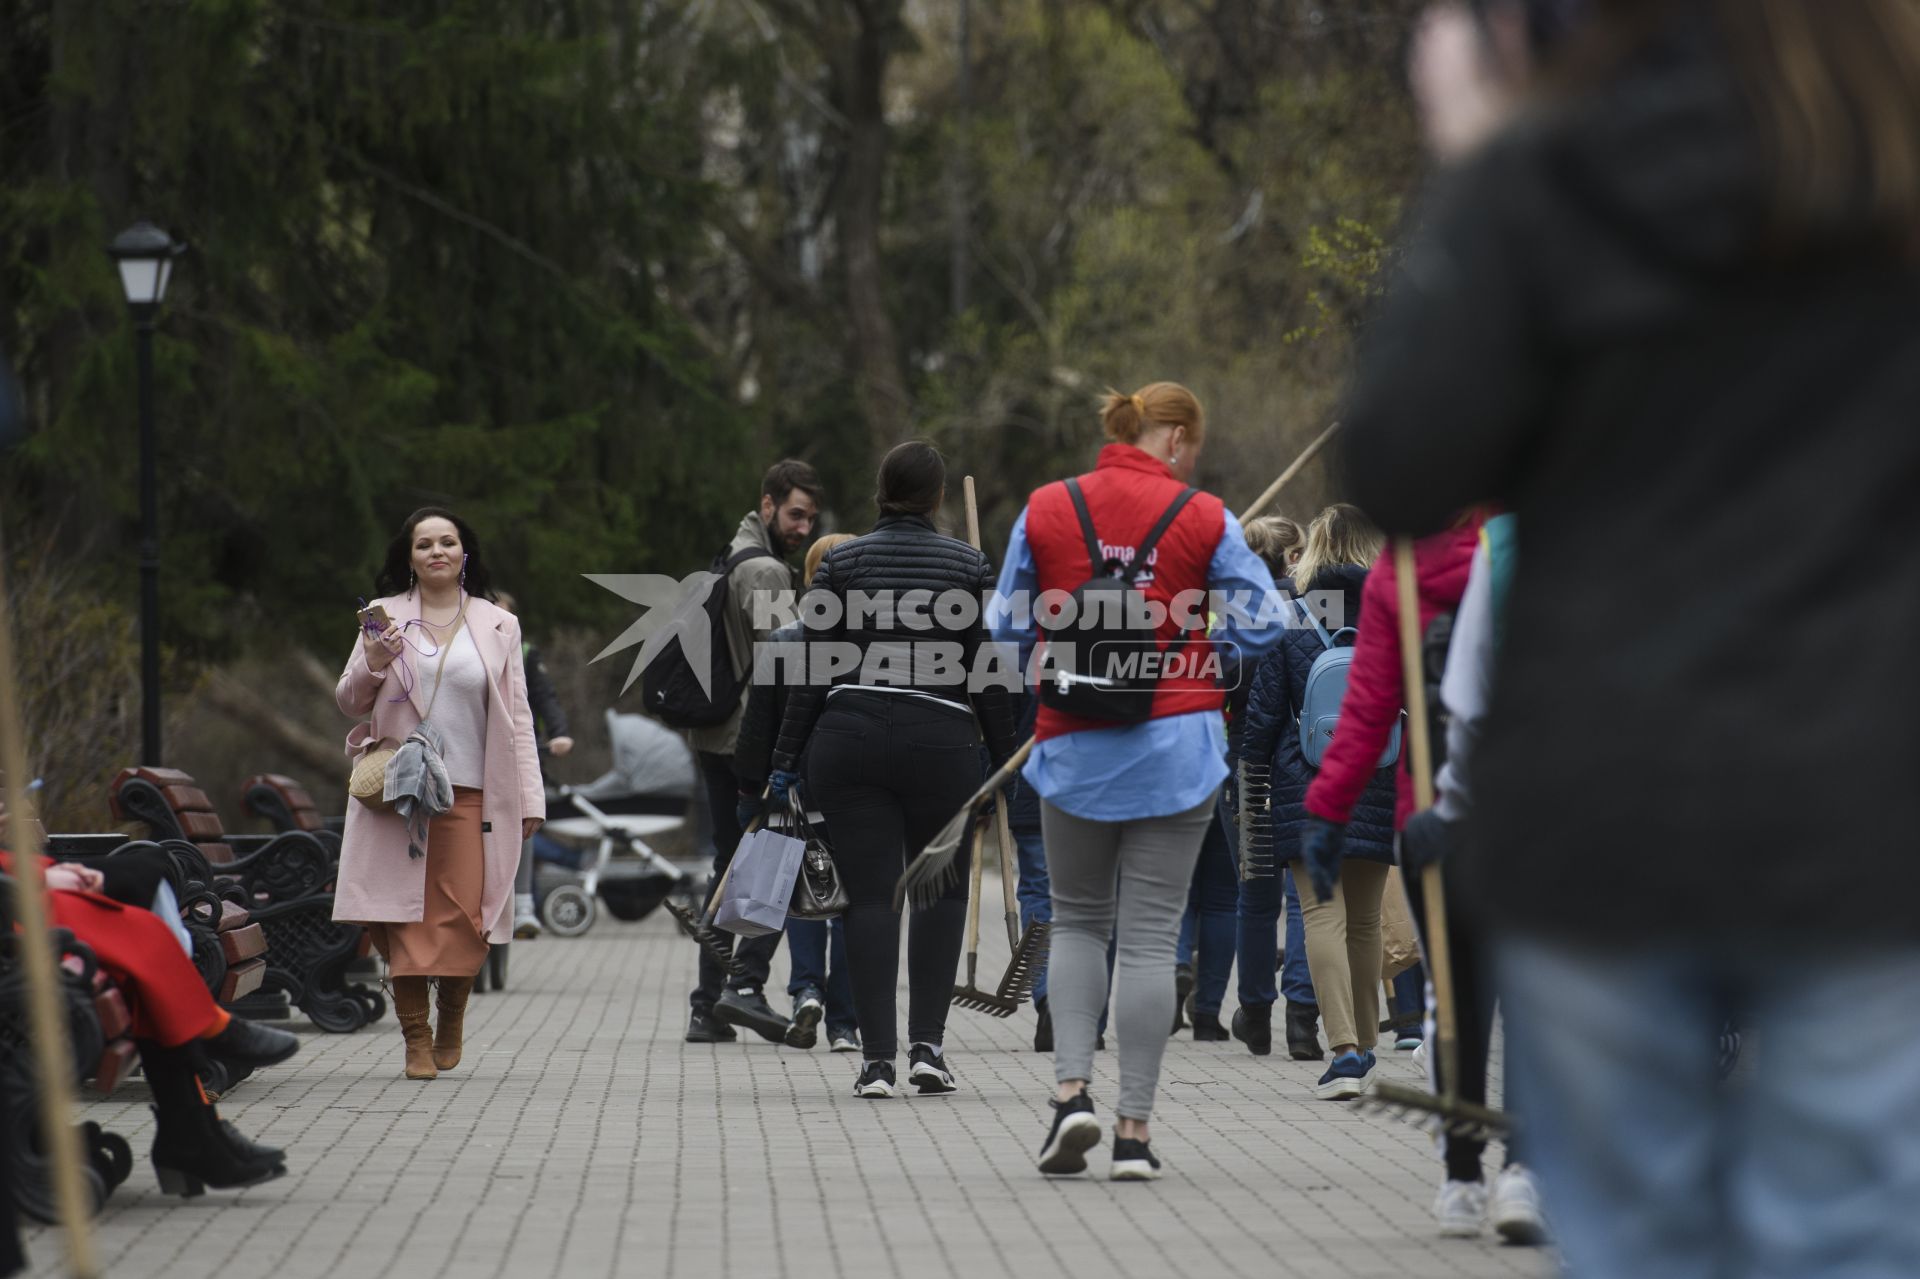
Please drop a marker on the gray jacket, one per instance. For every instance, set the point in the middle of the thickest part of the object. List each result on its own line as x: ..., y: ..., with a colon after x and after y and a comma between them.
x: 749, y: 579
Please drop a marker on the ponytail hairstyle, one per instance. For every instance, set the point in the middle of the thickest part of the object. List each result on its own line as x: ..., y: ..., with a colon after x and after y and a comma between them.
x: 1127, y: 417
x: 1341, y: 534
x: 1273, y: 538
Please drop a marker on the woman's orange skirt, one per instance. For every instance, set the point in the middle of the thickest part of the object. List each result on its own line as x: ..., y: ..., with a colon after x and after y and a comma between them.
x: 449, y: 940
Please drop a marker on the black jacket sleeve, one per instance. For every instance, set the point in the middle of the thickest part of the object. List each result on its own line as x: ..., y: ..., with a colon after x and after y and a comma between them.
x: 548, y: 715
x: 1453, y: 374
x: 992, y: 704
x: 805, y: 701
x: 759, y: 726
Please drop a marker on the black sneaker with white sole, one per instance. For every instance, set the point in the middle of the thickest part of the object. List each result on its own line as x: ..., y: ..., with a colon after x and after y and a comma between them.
x: 1132, y: 1161
x: 876, y: 1080
x: 928, y: 1071
x: 1075, y: 1132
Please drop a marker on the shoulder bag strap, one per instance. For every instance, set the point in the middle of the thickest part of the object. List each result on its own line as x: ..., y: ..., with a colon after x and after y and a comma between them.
x: 1153, y: 537
x: 1095, y: 557
x: 440, y: 671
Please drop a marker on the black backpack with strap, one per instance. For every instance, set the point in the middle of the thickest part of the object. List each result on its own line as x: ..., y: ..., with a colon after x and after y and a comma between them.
x: 671, y: 686
x: 1105, y: 664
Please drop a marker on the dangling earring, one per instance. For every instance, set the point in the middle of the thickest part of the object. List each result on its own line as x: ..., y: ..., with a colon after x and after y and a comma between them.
x: 412, y: 577
x: 463, y: 571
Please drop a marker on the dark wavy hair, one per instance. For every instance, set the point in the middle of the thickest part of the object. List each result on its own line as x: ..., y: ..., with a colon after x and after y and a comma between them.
x: 396, y: 572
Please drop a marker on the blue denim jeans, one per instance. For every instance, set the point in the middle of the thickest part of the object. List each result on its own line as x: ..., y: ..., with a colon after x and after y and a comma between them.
x: 1211, y: 920
x: 808, y: 968
x: 1259, y: 943
x: 1808, y: 1167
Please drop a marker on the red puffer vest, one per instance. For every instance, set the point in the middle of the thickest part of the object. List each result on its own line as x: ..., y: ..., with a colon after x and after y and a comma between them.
x: 1127, y: 492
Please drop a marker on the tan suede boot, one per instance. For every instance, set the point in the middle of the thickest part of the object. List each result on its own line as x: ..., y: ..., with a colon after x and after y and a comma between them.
x: 410, y: 1009
x: 452, y: 1002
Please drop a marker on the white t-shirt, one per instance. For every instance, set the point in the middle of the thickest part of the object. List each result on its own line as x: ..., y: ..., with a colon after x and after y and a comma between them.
x: 460, y: 712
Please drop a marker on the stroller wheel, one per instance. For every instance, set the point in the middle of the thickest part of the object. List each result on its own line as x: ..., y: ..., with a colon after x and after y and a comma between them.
x: 567, y: 911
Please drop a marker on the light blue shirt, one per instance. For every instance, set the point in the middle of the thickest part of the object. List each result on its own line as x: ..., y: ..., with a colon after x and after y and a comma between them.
x: 1161, y: 766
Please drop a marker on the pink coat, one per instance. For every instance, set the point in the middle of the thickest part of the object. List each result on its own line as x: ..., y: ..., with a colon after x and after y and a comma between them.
x: 378, y: 882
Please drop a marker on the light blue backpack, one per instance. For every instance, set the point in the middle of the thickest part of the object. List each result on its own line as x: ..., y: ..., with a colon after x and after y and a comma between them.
x: 1326, y: 689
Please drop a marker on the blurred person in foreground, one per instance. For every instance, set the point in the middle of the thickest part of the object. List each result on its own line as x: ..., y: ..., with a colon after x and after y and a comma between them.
x: 1673, y: 279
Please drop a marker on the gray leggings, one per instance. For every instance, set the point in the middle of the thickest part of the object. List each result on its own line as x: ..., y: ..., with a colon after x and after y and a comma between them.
x: 1126, y: 881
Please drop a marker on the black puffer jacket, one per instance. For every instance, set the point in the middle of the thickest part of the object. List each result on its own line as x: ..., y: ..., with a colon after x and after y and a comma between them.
x: 1270, y: 735
x: 902, y: 554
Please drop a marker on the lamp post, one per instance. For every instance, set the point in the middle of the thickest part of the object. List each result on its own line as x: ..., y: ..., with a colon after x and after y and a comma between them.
x: 144, y: 253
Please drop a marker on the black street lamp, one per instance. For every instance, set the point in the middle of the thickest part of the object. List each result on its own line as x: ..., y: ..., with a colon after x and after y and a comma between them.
x: 144, y: 253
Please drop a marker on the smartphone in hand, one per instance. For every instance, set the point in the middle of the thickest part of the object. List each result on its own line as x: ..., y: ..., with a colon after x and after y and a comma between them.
x: 374, y: 619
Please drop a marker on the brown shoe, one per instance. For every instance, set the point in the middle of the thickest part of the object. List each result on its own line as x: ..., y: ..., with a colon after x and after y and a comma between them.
x: 410, y: 1009
x: 452, y: 1002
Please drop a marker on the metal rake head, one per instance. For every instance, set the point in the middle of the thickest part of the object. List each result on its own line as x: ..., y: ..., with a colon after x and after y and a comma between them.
x: 1435, y: 1114
x: 1256, y: 824
x: 707, y: 938
x: 1029, y: 957
x: 981, y: 1001
x: 934, y: 871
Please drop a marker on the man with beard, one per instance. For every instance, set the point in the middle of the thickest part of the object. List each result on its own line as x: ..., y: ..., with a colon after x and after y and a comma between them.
x: 780, y: 527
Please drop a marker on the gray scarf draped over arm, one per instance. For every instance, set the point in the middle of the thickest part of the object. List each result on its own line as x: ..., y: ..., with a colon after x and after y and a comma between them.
x: 418, y: 786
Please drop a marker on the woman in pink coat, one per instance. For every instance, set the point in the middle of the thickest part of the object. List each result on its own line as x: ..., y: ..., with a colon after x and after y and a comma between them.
x: 434, y: 649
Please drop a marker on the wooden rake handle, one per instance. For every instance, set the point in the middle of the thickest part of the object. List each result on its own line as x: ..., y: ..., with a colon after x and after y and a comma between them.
x: 1432, y: 886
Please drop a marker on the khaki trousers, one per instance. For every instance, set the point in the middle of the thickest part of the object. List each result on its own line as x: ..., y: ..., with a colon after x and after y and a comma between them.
x: 1343, y: 950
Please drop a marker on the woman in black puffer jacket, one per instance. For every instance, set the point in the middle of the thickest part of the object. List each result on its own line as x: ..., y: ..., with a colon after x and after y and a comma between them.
x: 1271, y: 738
x: 891, y: 748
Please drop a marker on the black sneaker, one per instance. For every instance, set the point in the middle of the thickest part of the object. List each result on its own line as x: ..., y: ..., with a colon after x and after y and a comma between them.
x: 1075, y: 1132
x: 1043, y: 1029
x: 1132, y: 1161
x: 748, y: 1009
x: 1253, y: 1026
x: 1182, y: 990
x: 928, y: 1071
x: 876, y: 1080
x: 804, y: 1030
x: 705, y: 1028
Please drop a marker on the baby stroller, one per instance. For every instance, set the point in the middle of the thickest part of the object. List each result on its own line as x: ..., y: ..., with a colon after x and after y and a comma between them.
x: 593, y: 847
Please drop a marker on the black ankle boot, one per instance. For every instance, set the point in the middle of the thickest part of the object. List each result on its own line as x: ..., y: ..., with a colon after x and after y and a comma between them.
x: 1207, y: 1028
x: 1303, y: 1031
x: 191, y: 1146
x: 1253, y: 1026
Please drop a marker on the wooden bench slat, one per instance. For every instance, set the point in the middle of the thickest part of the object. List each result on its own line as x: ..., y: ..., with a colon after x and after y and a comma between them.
x: 110, y: 1006
x: 243, y: 943
x: 232, y: 915
x: 115, y: 1064
x: 242, y: 980
x: 199, y: 826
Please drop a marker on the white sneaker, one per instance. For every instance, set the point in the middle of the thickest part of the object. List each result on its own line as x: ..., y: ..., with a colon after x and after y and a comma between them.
x: 1419, y: 1058
x: 526, y: 920
x: 1460, y: 1208
x: 1514, y: 1209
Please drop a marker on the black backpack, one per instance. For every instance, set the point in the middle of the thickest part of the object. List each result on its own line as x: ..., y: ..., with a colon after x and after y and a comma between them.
x: 670, y: 684
x: 1106, y: 665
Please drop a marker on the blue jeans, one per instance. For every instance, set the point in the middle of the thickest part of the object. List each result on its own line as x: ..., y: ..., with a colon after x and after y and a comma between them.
x: 1035, y: 892
x: 807, y: 947
x: 1259, y: 944
x: 1652, y: 1169
x: 1210, y: 919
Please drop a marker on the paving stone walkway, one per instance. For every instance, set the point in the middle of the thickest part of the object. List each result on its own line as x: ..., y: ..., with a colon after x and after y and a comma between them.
x: 582, y: 1137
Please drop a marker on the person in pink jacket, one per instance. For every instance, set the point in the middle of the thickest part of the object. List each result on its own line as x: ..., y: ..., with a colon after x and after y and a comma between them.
x: 435, y: 650
x: 1368, y: 713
